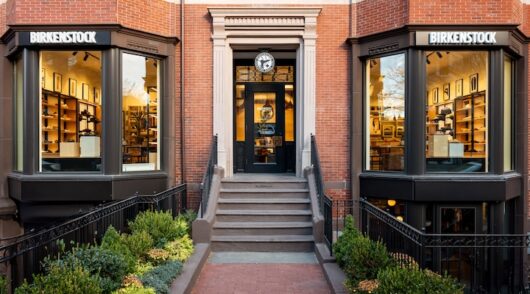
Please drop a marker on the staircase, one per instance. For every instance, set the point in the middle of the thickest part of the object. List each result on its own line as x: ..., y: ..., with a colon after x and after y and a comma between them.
x: 263, y: 213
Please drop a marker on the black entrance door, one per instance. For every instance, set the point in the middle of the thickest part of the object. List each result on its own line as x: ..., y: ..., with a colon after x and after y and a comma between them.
x: 264, y: 132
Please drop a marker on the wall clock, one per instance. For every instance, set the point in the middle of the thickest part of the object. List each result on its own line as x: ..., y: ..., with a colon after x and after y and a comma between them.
x: 264, y: 62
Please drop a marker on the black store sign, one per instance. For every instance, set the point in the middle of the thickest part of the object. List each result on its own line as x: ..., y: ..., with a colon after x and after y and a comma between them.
x: 67, y: 38
x: 463, y: 38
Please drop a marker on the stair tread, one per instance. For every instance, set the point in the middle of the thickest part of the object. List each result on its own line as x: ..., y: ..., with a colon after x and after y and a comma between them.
x: 264, y: 190
x: 268, y: 225
x: 263, y: 212
x: 264, y: 238
x: 264, y: 200
x: 264, y: 180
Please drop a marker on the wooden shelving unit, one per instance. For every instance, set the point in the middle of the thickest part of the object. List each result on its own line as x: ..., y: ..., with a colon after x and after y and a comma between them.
x: 63, y: 123
x: 471, y: 124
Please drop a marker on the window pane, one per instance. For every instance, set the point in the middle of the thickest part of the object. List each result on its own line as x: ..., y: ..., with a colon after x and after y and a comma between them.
x: 264, y: 124
x: 385, y: 127
x: 456, y: 114
x: 19, y: 115
x: 508, y: 157
x: 141, y: 116
x: 280, y: 73
x: 240, y: 113
x: 289, y: 113
x: 70, y: 111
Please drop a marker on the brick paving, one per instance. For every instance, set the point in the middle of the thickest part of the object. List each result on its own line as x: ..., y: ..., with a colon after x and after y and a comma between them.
x: 232, y: 278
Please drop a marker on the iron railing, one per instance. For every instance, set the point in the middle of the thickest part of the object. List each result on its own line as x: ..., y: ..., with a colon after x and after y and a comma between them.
x: 484, y: 263
x: 208, y: 175
x: 22, y: 257
x: 324, y: 202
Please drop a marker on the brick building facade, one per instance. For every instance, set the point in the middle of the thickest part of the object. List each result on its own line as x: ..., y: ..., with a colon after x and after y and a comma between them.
x: 345, y: 34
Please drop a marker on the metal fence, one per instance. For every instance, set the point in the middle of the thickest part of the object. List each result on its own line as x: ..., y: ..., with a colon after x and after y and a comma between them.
x: 22, y: 257
x: 484, y: 263
x: 208, y: 175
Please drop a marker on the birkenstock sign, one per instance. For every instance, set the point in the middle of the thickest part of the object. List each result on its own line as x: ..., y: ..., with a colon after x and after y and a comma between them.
x: 67, y: 38
x: 451, y: 38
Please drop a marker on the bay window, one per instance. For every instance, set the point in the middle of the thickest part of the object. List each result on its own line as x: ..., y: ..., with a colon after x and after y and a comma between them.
x: 457, y: 111
x: 385, y: 113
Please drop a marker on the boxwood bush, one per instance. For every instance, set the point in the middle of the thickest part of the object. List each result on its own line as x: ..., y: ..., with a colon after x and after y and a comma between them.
x: 64, y: 280
x: 160, y: 225
x: 415, y: 281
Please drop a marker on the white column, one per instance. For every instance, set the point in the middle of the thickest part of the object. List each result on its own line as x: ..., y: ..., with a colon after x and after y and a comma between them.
x: 219, y: 89
x: 309, y: 89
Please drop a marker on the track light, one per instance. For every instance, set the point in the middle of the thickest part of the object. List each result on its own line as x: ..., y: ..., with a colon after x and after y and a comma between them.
x: 74, y: 53
x: 86, y: 56
x: 428, y: 62
x: 439, y: 54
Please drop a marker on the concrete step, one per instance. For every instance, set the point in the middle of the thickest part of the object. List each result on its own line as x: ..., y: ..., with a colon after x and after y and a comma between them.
x: 266, y: 215
x: 262, y: 228
x: 264, y: 193
x: 295, y: 183
x: 264, y: 243
x: 264, y: 203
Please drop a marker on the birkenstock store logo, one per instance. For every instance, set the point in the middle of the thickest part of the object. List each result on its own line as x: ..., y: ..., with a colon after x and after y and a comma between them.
x: 62, y: 37
x: 462, y: 38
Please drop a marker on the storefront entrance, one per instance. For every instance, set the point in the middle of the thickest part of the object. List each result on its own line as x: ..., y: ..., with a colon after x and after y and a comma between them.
x: 264, y: 109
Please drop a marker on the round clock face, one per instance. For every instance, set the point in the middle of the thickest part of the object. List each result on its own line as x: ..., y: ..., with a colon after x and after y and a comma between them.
x: 264, y: 62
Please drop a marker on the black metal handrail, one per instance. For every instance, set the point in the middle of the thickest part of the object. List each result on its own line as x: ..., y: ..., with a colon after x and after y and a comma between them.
x: 22, y: 256
x: 474, y: 259
x: 324, y: 202
x: 208, y: 175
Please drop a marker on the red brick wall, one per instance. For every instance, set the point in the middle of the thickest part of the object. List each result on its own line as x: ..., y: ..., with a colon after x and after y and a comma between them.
x: 333, y: 95
x: 198, y: 92
x: 3, y: 27
x: 155, y: 16
x: 463, y: 12
x: 380, y: 15
x: 61, y: 12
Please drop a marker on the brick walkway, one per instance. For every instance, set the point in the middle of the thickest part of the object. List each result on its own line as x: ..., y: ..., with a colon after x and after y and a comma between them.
x: 248, y: 277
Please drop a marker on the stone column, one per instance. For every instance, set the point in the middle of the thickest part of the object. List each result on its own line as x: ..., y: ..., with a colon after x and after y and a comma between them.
x: 309, y: 88
x: 219, y: 89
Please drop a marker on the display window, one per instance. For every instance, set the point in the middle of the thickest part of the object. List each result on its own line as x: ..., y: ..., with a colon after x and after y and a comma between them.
x: 18, y: 77
x: 508, y: 117
x: 457, y: 111
x: 140, y: 113
x: 70, y: 111
x: 385, y: 109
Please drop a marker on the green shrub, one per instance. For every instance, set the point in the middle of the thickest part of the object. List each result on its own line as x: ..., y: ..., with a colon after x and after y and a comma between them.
x: 365, y: 260
x: 188, y: 216
x: 135, y: 290
x: 343, y: 247
x: 160, y: 225
x: 180, y: 249
x: 107, y: 265
x: 114, y: 242
x: 157, y: 256
x: 415, y: 281
x: 62, y: 280
x: 138, y: 243
x: 3, y: 284
x: 142, y: 267
x: 161, y: 277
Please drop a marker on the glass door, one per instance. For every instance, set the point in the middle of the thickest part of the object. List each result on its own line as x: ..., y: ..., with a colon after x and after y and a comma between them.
x: 265, y: 116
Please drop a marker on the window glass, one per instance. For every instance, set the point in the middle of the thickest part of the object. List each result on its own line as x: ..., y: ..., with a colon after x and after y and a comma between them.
x: 19, y: 115
x: 140, y: 113
x: 289, y: 113
x: 280, y: 73
x: 70, y: 111
x: 508, y: 125
x: 457, y: 111
x: 240, y: 113
x: 385, y: 125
